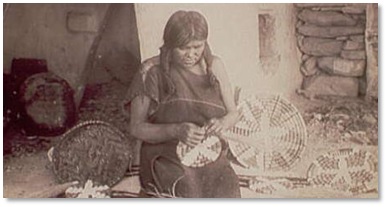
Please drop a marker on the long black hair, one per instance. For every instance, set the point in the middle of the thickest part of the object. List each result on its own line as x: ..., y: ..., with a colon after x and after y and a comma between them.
x: 181, y: 28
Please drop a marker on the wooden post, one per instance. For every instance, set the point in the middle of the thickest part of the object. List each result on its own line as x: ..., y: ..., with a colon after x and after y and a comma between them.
x: 371, y: 42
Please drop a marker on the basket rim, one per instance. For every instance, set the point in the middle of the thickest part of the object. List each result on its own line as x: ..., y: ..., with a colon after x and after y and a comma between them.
x: 81, y: 126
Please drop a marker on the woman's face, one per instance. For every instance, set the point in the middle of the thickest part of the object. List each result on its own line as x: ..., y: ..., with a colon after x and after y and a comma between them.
x: 189, y: 55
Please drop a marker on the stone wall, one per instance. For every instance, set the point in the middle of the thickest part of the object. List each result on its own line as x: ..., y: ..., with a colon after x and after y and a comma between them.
x: 331, y: 39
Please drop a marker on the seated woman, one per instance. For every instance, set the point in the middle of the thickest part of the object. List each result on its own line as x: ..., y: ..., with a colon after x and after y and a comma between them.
x: 182, y: 95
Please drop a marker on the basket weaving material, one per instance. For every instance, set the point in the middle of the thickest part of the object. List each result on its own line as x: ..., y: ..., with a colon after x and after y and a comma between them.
x: 270, y: 184
x: 202, y: 154
x: 348, y: 170
x: 270, y: 134
x: 92, y: 150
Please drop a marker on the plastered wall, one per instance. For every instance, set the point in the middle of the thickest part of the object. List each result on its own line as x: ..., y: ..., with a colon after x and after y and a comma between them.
x: 40, y: 31
x: 234, y: 36
x: 65, y: 35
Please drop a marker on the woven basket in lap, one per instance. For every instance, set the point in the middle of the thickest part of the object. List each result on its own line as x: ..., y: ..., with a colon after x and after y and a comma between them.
x: 273, y: 132
x: 348, y: 170
x: 202, y: 154
x: 92, y: 150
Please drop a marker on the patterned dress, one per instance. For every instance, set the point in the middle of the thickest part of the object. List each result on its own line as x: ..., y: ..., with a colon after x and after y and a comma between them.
x: 190, y: 99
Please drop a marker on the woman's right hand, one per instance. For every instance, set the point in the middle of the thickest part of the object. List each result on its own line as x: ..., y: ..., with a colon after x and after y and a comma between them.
x: 190, y: 134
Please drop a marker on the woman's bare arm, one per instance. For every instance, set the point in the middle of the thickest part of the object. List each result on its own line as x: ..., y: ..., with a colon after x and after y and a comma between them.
x: 229, y: 120
x: 141, y: 129
x: 150, y: 62
x: 157, y: 133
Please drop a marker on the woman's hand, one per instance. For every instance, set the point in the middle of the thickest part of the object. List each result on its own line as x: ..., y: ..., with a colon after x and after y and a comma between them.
x: 190, y: 134
x: 214, y: 126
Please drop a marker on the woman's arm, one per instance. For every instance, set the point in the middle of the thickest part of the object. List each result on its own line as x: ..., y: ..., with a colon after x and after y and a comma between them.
x: 189, y: 133
x: 150, y: 62
x: 229, y: 120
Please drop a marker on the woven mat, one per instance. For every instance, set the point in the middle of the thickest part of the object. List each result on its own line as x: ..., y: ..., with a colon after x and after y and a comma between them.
x: 348, y: 170
x: 273, y: 132
x: 92, y: 150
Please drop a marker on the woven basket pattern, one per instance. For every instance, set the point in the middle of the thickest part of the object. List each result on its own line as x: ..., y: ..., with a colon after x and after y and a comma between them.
x: 270, y: 184
x: 275, y: 130
x: 202, y: 154
x: 349, y: 170
x: 92, y: 150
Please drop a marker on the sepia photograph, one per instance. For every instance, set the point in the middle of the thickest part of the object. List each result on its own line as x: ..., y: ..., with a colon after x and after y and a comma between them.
x: 178, y: 100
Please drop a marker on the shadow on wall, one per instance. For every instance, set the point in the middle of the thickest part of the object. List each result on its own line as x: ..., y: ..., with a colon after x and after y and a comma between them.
x: 70, y: 38
x: 118, y: 53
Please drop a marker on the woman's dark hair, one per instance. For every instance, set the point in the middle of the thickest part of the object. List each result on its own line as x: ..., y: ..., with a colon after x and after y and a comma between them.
x: 184, y: 26
x: 181, y: 28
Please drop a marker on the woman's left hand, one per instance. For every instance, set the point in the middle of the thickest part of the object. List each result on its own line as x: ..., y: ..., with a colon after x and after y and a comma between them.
x: 214, y: 126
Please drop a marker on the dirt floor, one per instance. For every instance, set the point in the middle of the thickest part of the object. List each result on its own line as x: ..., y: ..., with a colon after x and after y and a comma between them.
x: 332, y: 124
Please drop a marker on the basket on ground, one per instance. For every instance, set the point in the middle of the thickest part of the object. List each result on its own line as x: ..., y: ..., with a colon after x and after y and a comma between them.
x: 92, y: 150
x: 269, y: 136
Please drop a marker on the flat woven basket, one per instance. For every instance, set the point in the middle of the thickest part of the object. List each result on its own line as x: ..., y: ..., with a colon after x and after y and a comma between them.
x: 348, y: 170
x: 48, y: 105
x: 271, y: 131
x: 92, y: 150
x: 202, y: 154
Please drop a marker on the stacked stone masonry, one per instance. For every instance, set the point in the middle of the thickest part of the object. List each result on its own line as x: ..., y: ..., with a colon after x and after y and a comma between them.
x: 331, y: 39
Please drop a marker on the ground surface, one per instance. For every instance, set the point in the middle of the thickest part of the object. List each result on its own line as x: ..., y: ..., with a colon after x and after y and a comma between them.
x: 332, y: 124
